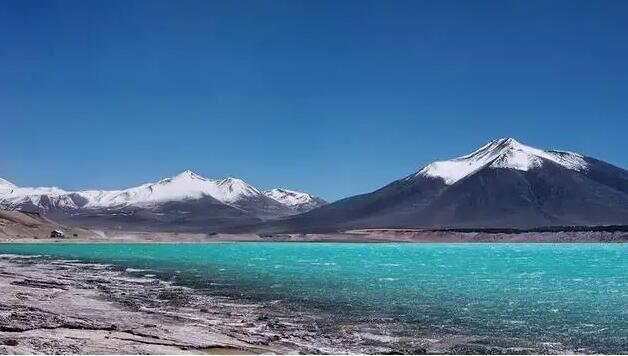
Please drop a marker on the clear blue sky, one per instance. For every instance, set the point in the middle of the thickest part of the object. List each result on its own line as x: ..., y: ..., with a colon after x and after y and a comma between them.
x: 332, y: 97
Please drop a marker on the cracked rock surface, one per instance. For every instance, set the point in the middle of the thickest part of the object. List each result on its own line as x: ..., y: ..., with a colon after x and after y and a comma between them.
x: 67, y: 308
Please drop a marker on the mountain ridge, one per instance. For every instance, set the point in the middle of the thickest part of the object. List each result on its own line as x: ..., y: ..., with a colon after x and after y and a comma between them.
x: 185, y: 185
x: 187, y: 199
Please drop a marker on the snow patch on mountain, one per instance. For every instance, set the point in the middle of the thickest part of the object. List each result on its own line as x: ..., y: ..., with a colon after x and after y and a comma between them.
x: 289, y: 197
x: 502, y: 153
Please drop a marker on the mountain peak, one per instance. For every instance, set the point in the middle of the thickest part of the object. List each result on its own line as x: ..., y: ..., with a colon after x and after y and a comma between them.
x: 506, y: 141
x: 500, y: 153
x: 498, y: 145
x: 188, y: 174
x: 231, y: 180
x: 233, y: 189
x: 510, y: 143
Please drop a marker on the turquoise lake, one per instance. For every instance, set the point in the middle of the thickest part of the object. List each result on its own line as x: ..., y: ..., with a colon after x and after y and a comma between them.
x: 572, y: 294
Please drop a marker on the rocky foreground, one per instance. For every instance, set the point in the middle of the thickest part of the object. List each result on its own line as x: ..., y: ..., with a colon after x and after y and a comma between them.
x: 69, y: 308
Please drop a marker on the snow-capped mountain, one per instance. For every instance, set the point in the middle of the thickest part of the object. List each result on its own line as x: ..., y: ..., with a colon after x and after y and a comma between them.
x: 502, y: 184
x: 12, y: 196
x: 186, y: 193
x: 298, y: 201
x: 186, y: 185
x: 502, y: 153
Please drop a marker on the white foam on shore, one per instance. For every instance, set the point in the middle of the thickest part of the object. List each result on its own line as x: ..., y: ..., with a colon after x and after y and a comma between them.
x: 92, y: 265
x: 12, y: 256
x: 134, y: 279
x: 378, y: 337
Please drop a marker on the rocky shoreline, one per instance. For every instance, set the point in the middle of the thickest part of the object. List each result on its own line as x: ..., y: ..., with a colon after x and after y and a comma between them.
x: 63, y: 307
x: 68, y: 307
x: 357, y: 236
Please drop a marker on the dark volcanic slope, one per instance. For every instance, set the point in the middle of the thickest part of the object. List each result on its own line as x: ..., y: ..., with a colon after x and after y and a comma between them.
x: 509, y: 185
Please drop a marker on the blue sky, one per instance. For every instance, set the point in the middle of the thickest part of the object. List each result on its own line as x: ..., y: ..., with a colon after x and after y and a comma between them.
x: 332, y: 97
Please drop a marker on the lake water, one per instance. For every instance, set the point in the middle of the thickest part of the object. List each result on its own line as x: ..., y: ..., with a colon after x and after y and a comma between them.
x: 565, y: 297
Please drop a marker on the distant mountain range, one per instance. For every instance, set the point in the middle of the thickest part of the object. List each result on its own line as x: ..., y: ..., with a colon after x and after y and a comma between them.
x: 503, y: 184
x: 185, y: 202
